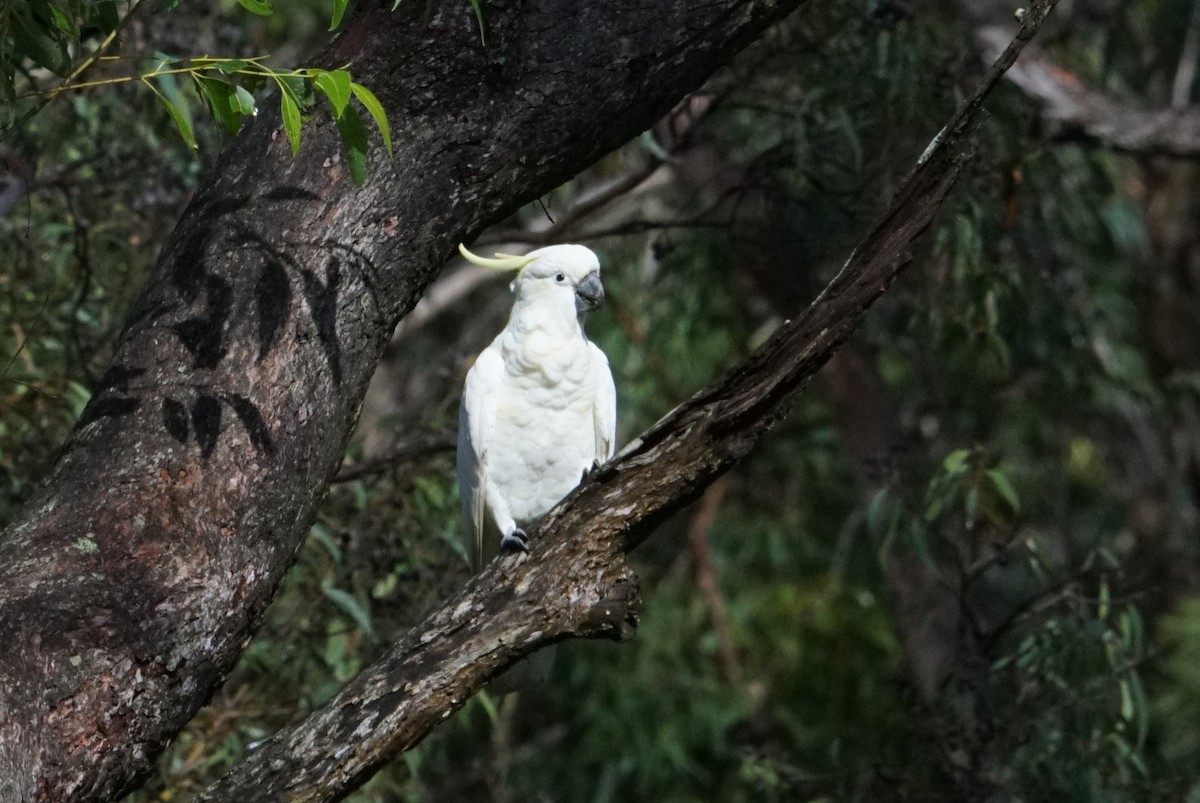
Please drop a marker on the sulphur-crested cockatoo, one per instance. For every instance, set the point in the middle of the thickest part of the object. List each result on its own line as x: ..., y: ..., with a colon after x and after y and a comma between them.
x: 539, y: 408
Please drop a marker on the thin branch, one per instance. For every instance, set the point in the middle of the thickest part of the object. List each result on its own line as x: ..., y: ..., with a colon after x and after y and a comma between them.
x: 588, y: 206
x: 706, y: 578
x: 679, y: 125
x: 416, y: 450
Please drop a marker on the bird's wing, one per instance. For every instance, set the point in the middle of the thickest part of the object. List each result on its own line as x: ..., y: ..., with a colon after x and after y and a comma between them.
x: 604, y: 407
x: 475, y: 416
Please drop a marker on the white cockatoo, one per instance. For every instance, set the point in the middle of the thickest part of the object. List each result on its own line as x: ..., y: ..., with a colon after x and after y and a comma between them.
x: 539, y: 409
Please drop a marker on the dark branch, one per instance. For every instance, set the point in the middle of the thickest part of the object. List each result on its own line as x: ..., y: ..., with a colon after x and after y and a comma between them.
x: 408, y: 453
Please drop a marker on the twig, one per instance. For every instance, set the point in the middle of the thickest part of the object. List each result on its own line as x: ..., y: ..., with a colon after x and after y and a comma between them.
x: 706, y: 578
x: 680, y: 122
x: 606, y: 195
x: 413, y: 451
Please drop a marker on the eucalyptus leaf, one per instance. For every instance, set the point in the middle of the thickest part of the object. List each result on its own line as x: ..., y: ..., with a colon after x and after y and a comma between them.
x: 260, y: 7
x: 243, y: 102
x: 218, y: 94
x: 371, y: 103
x: 178, y: 117
x: 350, y: 605
x: 291, y: 119
x: 39, y: 43
x: 339, y: 10
x: 335, y: 84
x: 354, y: 139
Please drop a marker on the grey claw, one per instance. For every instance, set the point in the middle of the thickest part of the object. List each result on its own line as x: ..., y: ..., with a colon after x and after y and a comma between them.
x: 516, y: 541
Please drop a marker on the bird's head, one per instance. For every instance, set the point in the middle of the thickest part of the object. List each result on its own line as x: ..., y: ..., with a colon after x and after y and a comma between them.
x: 553, y: 273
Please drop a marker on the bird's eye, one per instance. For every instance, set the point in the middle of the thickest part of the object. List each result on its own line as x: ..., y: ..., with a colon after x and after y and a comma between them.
x: 560, y: 278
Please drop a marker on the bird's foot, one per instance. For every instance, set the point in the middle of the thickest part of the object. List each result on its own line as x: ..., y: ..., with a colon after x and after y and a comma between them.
x: 516, y: 541
x: 591, y: 471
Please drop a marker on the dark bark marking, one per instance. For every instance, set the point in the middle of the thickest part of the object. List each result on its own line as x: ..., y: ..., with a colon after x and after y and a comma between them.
x: 252, y: 420
x: 367, y: 272
x: 117, y: 378
x: 175, y: 419
x: 272, y: 298
x: 291, y: 194
x: 188, y: 266
x: 322, y: 304
x: 107, y: 408
x: 206, y: 421
x: 144, y: 309
x: 203, y: 336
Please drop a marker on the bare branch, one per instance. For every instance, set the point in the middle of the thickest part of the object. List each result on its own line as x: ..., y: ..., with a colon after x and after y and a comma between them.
x: 1075, y: 110
x: 413, y: 451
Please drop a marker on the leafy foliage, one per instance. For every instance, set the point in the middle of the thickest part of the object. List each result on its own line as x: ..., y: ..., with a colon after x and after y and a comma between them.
x: 53, y: 38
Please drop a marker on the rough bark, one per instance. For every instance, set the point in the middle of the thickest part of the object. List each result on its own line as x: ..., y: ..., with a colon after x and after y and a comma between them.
x: 577, y: 582
x: 129, y: 586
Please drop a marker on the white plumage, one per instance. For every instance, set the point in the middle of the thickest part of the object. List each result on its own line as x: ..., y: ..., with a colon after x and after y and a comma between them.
x: 539, y: 406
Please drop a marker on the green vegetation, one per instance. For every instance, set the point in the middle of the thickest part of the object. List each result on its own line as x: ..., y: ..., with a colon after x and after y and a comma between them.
x: 965, y: 568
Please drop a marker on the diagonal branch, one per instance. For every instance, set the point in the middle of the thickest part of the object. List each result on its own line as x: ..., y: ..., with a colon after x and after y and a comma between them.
x: 577, y: 581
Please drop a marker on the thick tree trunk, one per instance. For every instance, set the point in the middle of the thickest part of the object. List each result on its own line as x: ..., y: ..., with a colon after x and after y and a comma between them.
x: 130, y: 584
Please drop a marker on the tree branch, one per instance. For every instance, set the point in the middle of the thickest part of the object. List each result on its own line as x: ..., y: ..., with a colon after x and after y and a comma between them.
x: 577, y: 581
x: 411, y: 451
x: 1074, y: 110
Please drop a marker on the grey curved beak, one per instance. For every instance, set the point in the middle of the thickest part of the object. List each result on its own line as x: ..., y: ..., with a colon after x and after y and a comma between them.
x: 589, y: 293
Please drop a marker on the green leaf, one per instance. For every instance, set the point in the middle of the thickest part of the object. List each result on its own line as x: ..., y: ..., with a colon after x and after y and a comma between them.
x: 322, y: 536
x: 648, y: 142
x: 336, y: 86
x: 339, y: 9
x: 161, y: 58
x: 489, y: 706
x: 230, y: 65
x: 63, y: 22
x: 178, y: 117
x: 102, y: 15
x: 479, y: 18
x: 243, y: 102
x: 218, y: 94
x: 260, y: 7
x: 878, y: 511
x: 300, y: 90
x: 956, y: 461
x: 39, y: 44
x: 354, y: 138
x: 1004, y: 488
x: 371, y: 103
x: 291, y: 119
x: 350, y: 605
